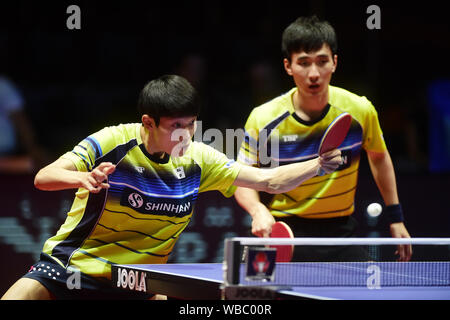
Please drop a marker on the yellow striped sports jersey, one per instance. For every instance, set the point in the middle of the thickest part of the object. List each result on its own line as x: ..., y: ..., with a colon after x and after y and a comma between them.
x: 149, y: 203
x: 274, y: 133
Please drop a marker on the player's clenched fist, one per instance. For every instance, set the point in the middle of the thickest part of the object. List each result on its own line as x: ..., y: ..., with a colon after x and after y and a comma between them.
x: 97, y: 179
x: 330, y: 161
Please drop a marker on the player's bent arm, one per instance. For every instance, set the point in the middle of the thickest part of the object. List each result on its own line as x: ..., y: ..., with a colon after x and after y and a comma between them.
x: 287, y: 177
x: 248, y: 199
x: 384, y: 175
x: 262, y: 219
x: 62, y: 174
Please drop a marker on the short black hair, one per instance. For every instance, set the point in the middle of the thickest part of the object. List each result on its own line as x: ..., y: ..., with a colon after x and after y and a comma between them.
x: 169, y: 96
x: 308, y: 34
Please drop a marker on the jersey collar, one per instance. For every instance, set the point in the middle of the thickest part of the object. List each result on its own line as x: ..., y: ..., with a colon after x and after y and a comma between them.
x: 297, y: 118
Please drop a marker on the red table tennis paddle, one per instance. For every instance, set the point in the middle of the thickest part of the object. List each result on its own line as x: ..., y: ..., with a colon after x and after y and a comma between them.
x: 334, y: 135
x: 284, y: 252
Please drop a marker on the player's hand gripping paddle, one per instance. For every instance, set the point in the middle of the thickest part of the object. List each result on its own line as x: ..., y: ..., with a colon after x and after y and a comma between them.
x: 334, y: 135
x: 284, y: 252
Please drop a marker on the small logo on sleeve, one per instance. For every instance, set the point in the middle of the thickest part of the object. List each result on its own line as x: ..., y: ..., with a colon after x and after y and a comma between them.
x: 140, y: 169
x: 230, y: 163
x: 179, y: 172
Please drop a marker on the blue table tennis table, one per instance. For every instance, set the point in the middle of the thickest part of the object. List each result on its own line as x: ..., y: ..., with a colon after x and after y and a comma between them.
x: 204, y: 281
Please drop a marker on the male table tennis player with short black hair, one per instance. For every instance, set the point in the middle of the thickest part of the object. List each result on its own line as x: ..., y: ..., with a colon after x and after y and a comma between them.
x: 296, y: 120
x: 137, y: 185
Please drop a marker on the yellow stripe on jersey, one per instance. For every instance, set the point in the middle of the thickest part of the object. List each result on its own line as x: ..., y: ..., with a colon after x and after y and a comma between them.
x: 150, y: 201
x: 275, y: 133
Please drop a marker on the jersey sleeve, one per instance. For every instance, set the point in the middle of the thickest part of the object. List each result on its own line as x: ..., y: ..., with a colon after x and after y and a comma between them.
x: 373, y: 139
x: 248, y: 152
x: 218, y: 171
x: 85, y: 154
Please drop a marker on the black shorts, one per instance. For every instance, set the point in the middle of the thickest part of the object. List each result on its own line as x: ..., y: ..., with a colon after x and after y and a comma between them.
x: 342, y: 227
x: 67, y: 284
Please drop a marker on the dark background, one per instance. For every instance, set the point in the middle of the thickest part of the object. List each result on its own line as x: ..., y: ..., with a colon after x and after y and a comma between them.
x: 75, y: 82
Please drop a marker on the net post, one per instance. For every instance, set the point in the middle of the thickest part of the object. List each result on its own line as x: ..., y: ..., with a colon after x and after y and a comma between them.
x: 231, y: 261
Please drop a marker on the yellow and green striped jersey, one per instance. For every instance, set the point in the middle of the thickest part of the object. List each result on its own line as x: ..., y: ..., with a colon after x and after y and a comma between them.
x: 150, y: 201
x: 275, y: 134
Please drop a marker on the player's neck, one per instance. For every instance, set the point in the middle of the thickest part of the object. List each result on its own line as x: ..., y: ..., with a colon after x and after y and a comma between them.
x: 149, y: 144
x: 309, y: 107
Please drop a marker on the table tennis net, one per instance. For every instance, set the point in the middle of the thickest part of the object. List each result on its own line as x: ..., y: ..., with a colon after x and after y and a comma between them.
x: 355, y: 274
x: 429, y: 266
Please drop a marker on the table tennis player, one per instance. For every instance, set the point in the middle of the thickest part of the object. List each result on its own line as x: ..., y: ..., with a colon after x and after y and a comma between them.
x: 296, y: 121
x: 137, y: 185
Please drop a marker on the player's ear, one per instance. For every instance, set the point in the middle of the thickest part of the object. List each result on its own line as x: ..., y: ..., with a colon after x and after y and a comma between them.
x: 287, y: 66
x: 335, y: 59
x: 148, y: 122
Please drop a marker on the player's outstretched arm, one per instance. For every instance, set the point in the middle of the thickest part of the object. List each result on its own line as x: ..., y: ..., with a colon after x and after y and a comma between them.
x: 287, y: 177
x: 62, y: 174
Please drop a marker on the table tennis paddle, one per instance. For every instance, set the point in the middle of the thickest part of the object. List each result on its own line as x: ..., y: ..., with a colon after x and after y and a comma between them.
x: 284, y: 252
x: 334, y: 135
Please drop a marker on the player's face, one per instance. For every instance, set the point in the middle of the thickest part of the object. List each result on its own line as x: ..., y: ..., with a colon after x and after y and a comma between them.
x: 173, y: 135
x: 312, y: 71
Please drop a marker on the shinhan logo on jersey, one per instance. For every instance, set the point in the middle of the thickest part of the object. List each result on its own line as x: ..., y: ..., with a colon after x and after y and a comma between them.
x: 157, y: 205
x: 135, y: 200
